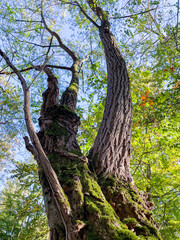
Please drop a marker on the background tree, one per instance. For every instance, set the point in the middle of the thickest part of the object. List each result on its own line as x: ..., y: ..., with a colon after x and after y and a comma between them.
x: 59, y: 127
x: 21, y: 210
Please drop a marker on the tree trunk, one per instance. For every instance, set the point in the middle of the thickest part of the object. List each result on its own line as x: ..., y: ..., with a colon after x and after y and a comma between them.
x: 82, y: 204
x: 101, y: 208
x: 92, y: 207
x: 111, y: 150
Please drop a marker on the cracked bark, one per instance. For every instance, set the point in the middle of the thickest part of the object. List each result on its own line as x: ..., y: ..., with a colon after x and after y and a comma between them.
x: 111, y: 150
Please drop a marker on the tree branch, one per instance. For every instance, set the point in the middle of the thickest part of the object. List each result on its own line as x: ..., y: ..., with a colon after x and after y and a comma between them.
x: 35, y: 44
x: 21, y: 20
x: 60, y: 198
x: 97, y: 10
x: 61, y: 44
x: 87, y: 16
x: 37, y: 68
x: 4, y: 122
x: 40, y: 70
x: 155, y: 22
x: 135, y: 14
x: 75, y: 3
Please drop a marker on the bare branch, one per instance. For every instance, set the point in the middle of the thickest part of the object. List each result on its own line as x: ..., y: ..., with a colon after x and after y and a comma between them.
x: 3, y: 69
x: 21, y: 20
x: 37, y: 68
x: 155, y: 22
x: 50, y: 44
x: 75, y: 3
x: 2, y: 89
x: 35, y: 44
x: 86, y: 15
x: 59, y: 67
x: 29, y: 146
x: 135, y: 14
x: 85, y: 59
x: 40, y: 70
x: 61, y: 44
x: 15, y: 70
x: 4, y: 122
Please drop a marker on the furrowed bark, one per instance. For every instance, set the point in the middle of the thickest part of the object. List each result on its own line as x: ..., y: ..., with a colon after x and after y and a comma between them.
x: 111, y: 150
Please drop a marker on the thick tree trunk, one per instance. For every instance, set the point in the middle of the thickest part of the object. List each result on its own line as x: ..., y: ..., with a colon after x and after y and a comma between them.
x: 96, y: 212
x: 80, y: 204
x: 113, y: 211
x: 111, y: 150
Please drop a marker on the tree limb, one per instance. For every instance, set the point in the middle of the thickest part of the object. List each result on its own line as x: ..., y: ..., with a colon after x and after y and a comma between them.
x: 61, y: 44
x: 40, y: 70
x: 86, y: 15
x: 37, y: 68
x: 135, y: 14
x: 97, y: 10
x: 60, y: 198
x: 75, y: 3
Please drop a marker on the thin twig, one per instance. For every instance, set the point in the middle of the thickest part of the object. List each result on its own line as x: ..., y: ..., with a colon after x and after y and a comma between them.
x: 41, y: 69
x: 61, y: 44
x: 21, y: 20
x: 75, y: 3
x: 4, y: 122
x: 135, y: 14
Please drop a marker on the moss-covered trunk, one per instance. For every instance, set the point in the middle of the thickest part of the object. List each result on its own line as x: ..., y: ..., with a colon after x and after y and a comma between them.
x: 81, y: 204
x: 103, y: 204
x: 101, y: 208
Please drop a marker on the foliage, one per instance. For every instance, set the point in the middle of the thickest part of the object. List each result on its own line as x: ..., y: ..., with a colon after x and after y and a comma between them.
x: 21, y: 206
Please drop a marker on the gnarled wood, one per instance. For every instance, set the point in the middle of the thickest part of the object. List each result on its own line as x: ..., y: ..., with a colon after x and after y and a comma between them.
x: 69, y: 96
x: 51, y: 95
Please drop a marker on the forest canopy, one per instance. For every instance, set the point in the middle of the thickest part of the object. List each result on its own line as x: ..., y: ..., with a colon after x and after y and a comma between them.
x: 47, y: 38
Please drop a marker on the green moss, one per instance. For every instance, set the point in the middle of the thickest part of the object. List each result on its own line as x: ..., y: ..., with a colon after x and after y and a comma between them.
x: 134, y: 195
x: 154, y: 231
x: 92, y: 187
x: 54, y: 158
x: 56, y: 130
x: 123, y: 234
x: 142, y: 237
x: 141, y: 230
x: 98, y: 211
x: 65, y: 202
x: 105, y: 182
x: 74, y: 87
x: 151, y: 238
x: 56, y: 112
x: 93, y: 235
x: 129, y: 221
x: 92, y: 207
x: 78, y: 153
